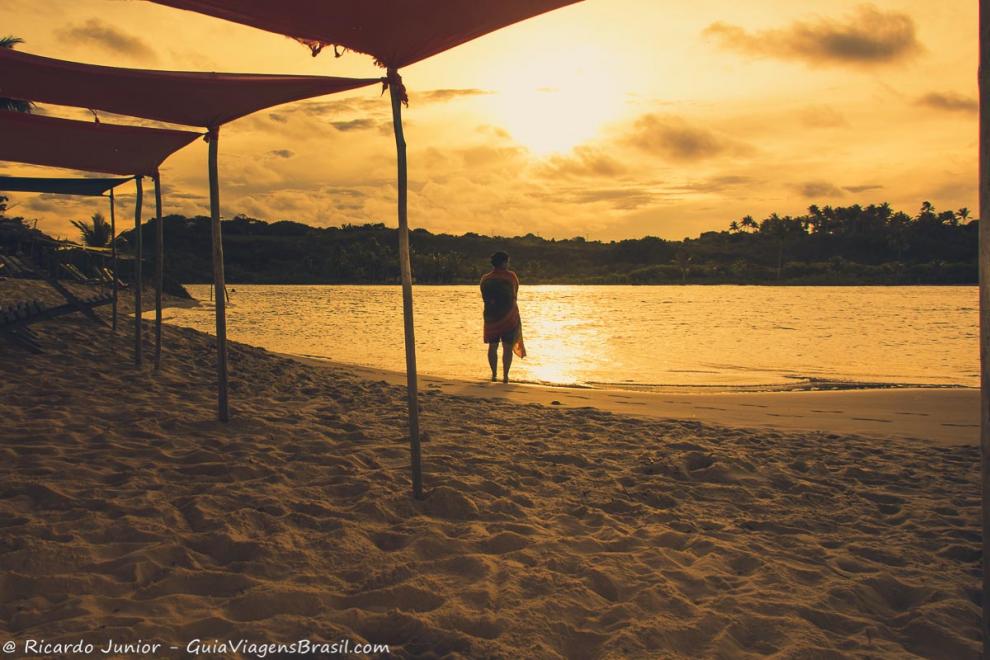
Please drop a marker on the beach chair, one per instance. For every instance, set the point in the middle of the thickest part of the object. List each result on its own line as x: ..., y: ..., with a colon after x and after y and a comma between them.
x: 107, y: 276
x: 15, y: 319
x: 78, y: 275
x: 13, y: 267
x: 22, y: 267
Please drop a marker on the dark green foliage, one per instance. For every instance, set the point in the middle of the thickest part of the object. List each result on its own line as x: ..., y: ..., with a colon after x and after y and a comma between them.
x: 95, y: 233
x: 851, y: 245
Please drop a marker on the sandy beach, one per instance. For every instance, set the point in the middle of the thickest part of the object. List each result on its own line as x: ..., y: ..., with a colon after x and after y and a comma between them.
x: 949, y: 416
x: 589, y: 528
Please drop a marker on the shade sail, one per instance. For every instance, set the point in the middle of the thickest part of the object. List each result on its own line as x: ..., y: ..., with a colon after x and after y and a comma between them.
x: 396, y: 32
x: 178, y: 97
x: 83, y: 145
x: 89, y: 187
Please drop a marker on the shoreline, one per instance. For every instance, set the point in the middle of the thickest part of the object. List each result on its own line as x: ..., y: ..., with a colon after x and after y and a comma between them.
x: 945, y: 416
x: 635, y: 284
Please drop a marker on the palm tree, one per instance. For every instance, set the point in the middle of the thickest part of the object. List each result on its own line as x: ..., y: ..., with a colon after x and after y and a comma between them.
x: 96, y: 234
x: 749, y: 223
x: 963, y: 214
x: 734, y: 227
x: 13, y: 105
x: 683, y: 260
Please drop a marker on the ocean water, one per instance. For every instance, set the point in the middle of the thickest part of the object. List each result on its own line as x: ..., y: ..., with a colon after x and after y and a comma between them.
x: 637, y: 337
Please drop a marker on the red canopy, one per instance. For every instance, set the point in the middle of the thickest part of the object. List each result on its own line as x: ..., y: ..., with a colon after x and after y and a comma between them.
x: 193, y: 99
x: 396, y: 32
x: 85, y: 145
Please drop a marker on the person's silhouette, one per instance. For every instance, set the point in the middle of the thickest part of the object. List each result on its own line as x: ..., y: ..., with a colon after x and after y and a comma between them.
x: 499, y: 289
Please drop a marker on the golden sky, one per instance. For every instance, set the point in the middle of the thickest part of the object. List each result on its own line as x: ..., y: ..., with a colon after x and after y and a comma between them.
x: 607, y: 119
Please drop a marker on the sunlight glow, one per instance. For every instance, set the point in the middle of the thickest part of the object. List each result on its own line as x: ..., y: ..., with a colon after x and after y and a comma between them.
x: 558, y: 99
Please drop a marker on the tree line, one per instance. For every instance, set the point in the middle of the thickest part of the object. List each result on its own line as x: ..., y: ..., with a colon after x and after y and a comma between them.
x: 827, y: 245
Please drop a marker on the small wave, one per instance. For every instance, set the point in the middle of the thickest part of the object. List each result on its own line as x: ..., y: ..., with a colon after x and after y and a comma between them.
x: 797, y: 384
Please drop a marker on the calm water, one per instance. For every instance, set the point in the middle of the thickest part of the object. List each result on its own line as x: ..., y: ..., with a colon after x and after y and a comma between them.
x: 674, y: 337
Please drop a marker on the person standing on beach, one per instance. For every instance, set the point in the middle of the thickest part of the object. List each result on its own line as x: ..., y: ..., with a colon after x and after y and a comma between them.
x: 499, y: 289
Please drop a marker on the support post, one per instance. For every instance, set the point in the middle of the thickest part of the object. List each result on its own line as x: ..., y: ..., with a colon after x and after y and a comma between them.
x: 397, y: 94
x: 138, y: 357
x: 218, y: 282
x: 984, y: 184
x: 159, y: 269
x: 113, y: 252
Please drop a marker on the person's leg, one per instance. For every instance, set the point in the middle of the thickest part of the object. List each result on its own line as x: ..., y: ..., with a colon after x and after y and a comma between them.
x: 506, y: 360
x: 493, y: 359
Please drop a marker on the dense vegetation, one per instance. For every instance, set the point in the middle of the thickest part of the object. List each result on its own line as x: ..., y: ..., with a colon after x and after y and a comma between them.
x: 850, y: 245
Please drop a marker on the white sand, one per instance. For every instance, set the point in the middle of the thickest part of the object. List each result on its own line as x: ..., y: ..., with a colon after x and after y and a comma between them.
x: 551, y: 531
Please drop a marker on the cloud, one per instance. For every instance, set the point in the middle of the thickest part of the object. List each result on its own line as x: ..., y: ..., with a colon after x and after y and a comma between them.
x: 485, y: 156
x: 626, y: 198
x: 717, y: 184
x: 949, y: 101
x: 865, y: 38
x: 282, y: 153
x: 812, y: 189
x: 353, y: 124
x: 623, y: 199
x: 108, y: 37
x: 678, y: 140
x: 862, y: 188
x: 444, y: 95
x: 583, y: 162
x: 822, y: 116
x: 495, y: 131
x: 342, y: 106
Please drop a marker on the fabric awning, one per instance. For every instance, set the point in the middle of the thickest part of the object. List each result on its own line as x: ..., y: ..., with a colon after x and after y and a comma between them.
x: 178, y: 97
x: 59, y: 186
x: 88, y: 146
x: 395, y: 32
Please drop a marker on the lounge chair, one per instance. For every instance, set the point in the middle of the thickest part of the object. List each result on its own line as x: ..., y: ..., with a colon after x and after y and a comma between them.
x: 78, y: 275
x: 107, y: 276
x: 15, y: 268
x: 15, y: 318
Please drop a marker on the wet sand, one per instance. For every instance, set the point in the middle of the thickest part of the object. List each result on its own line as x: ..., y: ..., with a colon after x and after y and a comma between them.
x: 945, y: 416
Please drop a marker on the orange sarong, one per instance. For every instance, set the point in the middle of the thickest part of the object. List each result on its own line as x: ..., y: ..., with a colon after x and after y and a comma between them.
x: 502, y: 321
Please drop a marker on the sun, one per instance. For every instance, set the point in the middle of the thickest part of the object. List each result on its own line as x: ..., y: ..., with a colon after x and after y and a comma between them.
x: 558, y: 100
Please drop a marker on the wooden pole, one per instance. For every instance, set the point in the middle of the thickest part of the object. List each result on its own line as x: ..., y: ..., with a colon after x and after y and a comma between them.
x: 159, y: 269
x: 984, y: 182
x: 138, y: 357
x: 396, y: 89
x: 113, y: 251
x: 218, y: 281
